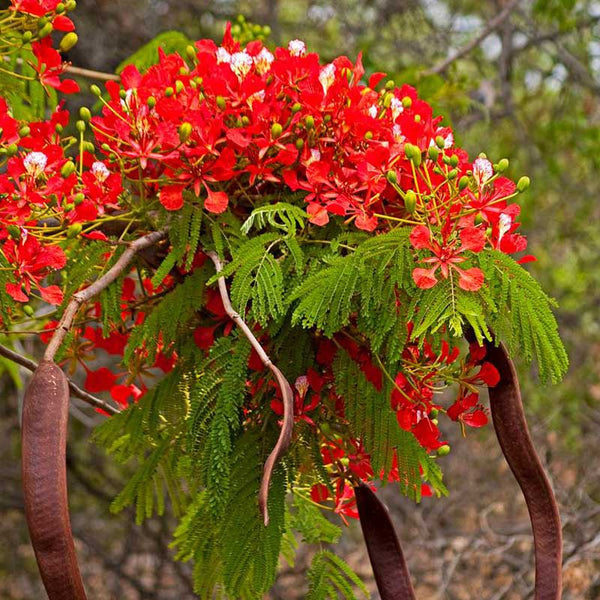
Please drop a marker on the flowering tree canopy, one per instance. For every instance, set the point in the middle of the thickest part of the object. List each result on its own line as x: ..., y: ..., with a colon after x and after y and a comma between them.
x: 249, y: 252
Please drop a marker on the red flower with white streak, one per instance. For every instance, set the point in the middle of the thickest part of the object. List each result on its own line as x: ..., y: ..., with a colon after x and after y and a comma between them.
x: 447, y: 257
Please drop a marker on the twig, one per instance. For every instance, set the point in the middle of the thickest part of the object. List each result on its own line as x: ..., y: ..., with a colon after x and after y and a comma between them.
x: 90, y: 74
x: 487, y: 30
x: 75, y: 389
x: 95, y: 288
x: 285, y: 435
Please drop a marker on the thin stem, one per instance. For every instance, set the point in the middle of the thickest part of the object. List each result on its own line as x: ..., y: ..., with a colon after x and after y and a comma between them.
x: 285, y: 435
x: 95, y: 288
x: 75, y: 389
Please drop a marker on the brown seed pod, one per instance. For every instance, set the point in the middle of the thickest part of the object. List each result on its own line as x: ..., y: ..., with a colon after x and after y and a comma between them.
x: 387, y: 560
x: 44, y: 439
x: 513, y: 435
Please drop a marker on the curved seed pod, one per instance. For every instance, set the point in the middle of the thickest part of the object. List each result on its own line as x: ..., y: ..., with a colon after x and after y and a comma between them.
x: 43, y: 439
x: 512, y: 432
x: 385, y: 553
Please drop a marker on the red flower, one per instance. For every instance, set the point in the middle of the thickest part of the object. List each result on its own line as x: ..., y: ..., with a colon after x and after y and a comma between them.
x: 49, y: 67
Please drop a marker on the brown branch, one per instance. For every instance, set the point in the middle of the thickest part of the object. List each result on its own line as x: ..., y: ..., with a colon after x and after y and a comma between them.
x: 90, y: 74
x: 492, y: 25
x: 75, y: 389
x: 285, y: 435
x: 95, y: 288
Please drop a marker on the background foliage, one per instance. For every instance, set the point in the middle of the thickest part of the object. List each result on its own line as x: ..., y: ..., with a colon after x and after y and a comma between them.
x: 528, y: 91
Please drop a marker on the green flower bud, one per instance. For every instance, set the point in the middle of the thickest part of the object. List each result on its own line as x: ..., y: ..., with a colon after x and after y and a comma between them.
x: 390, y: 85
x: 185, y: 130
x: 440, y: 142
x: 406, y: 102
x: 95, y: 90
x: 27, y: 36
x: 68, y: 41
x: 299, y: 143
x: 266, y: 31
x: 89, y: 147
x: 325, y: 427
x: 463, y: 182
x: 309, y: 122
x: 276, y: 130
x: 502, y: 165
x: 523, y: 183
x: 68, y: 207
x: 410, y: 201
x: 68, y: 169
x: 80, y: 126
x: 221, y: 103
x: 105, y: 147
x: 369, y: 135
x: 433, y: 413
x: 296, y: 107
x: 454, y: 160
x: 478, y: 219
x: 488, y: 232
x: 24, y: 131
x: 85, y: 114
x: 14, y: 231
x: 345, y: 461
x: 443, y: 450
x: 12, y: 150
x: 71, y: 5
x: 433, y: 153
x: 245, y: 120
x: 391, y: 176
x: 78, y: 199
x: 42, y: 21
x: 28, y: 310
x: 417, y: 118
x: 409, y: 150
x: 60, y: 8
x: 387, y: 99
x: 45, y: 31
x: 326, y: 118
x: 151, y: 101
x: 434, y: 421
x: 190, y: 52
x: 123, y: 94
x: 58, y: 128
x: 169, y: 92
x: 73, y: 230
x: 179, y: 87
x: 453, y: 174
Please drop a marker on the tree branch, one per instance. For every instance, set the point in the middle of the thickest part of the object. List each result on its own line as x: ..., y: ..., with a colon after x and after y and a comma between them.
x: 90, y: 74
x: 95, y: 288
x: 285, y: 435
x: 487, y: 30
x: 75, y: 389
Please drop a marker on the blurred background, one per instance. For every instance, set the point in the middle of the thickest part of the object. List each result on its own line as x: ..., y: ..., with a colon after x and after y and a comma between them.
x: 516, y: 79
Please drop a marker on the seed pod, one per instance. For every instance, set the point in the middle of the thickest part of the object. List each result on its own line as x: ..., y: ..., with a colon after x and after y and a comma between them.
x: 43, y: 440
x: 385, y: 553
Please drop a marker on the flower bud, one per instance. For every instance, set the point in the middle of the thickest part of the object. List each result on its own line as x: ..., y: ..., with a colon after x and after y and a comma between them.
x: 299, y: 143
x: 221, y: 103
x: 433, y: 153
x: 28, y: 310
x: 502, y: 165
x: 24, y: 131
x: 410, y: 201
x: 406, y: 102
x: 14, y: 231
x: 45, y: 31
x: 169, y: 92
x: 296, y: 107
x: 71, y: 5
x: 443, y: 450
x: 89, y: 147
x: 27, y: 36
x: 309, y: 122
x: 185, y: 130
x: 345, y: 461
x: 327, y: 118
x: 68, y: 207
x: 454, y: 160
x: 488, y: 232
x: 369, y: 135
x: 85, y: 114
x: 523, y: 183
x: 12, y: 150
x: 95, y: 90
x: 105, y: 147
x: 463, y: 182
x: 245, y: 120
x: 453, y: 174
x: 78, y: 199
x: 73, y: 230
x: 433, y: 413
x: 60, y: 8
x: 440, y: 142
x: 390, y: 85
x: 391, y: 176
x: 435, y: 421
x: 58, y: 128
x: 151, y: 101
x: 67, y: 169
x: 179, y: 87
x: 478, y: 219
x: 68, y: 41
x: 190, y: 52
x: 276, y: 130
x: 123, y: 94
